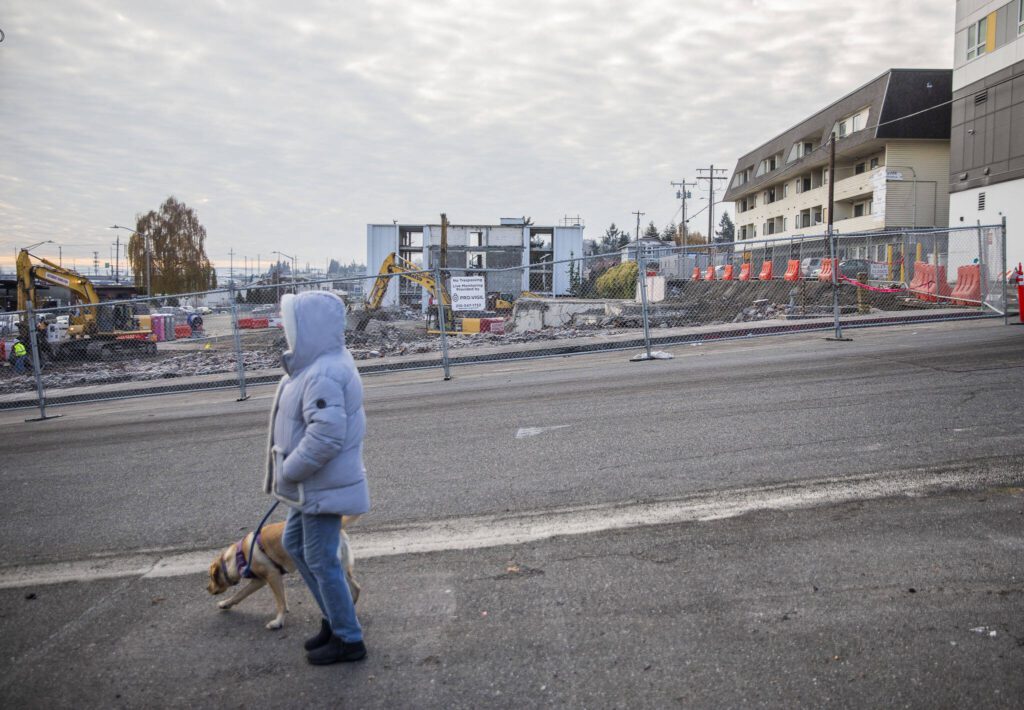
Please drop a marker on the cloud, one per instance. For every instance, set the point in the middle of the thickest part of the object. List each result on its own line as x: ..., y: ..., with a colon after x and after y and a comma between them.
x: 299, y: 123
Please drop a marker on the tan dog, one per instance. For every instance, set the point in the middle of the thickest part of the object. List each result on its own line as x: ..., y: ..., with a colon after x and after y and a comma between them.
x: 270, y: 561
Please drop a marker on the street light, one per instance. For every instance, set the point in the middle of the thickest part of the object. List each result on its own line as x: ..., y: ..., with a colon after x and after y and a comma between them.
x: 149, y: 261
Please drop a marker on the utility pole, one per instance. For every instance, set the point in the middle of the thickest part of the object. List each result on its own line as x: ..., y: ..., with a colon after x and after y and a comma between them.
x: 60, y: 256
x: 95, y: 263
x: 117, y: 261
x: 231, y: 267
x: 683, y: 194
x: 638, y: 216
x: 712, y: 175
x: 831, y: 236
x: 443, y: 260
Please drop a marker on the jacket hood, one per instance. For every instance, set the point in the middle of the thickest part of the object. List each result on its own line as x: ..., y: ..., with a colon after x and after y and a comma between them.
x: 314, y: 324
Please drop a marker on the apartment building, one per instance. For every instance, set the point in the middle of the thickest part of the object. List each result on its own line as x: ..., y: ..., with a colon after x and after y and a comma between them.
x: 986, y: 167
x: 542, y: 251
x: 892, y: 162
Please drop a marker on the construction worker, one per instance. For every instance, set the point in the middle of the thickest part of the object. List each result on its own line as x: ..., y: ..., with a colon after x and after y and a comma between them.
x: 19, y: 357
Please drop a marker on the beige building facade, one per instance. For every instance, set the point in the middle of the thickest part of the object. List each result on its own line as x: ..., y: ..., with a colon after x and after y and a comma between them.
x: 891, y: 171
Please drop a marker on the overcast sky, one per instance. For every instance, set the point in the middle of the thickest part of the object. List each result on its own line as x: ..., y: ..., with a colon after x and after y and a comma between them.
x: 290, y: 126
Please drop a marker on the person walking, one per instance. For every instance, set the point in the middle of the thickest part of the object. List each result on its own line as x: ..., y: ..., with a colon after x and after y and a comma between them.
x: 315, y: 462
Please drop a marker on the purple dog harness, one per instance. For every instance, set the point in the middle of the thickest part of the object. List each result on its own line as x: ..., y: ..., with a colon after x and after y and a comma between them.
x: 244, y: 570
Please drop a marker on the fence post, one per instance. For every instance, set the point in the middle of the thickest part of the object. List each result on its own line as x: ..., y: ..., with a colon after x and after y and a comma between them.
x: 30, y: 316
x: 835, y: 280
x: 239, y: 362
x: 642, y: 273
x: 1002, y: 275
x: 442, y: 325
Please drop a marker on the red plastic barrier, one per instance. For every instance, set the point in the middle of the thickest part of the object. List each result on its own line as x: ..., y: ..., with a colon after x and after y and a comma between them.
x: 924, y: 288
x: 826, y: 269
x: 968, y: 286
x: 727, y: 273
x: 696, y: 273
x: 182, y: 331
x: 745, y: 272
x: 766, y: 272
x: 792, y: 270
x: 922, y: 276
x: 710, y: 276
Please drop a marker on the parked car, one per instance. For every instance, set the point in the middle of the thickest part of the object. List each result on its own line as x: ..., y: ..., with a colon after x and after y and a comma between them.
x: 852, y: 267
x: 810, y: 267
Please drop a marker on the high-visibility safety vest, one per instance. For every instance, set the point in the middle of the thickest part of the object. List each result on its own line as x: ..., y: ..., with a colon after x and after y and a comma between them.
x: 20, y: 350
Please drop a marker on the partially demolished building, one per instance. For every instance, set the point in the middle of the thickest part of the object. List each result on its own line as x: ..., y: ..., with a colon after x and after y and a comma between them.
x: 531, y: 253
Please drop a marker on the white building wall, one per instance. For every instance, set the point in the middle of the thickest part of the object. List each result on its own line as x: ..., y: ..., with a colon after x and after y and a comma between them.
x: 381, y: 240
x: 568, y: 244
x: 925, y: 163
x: 1005, y: 199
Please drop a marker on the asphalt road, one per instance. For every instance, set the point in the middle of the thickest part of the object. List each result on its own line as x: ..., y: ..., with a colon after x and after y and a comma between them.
x: 184, y: 472
x: 801, y: 606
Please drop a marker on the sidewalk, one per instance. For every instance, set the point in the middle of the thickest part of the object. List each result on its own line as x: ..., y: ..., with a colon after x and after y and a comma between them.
x: 892, y: 602
x: 596, y: 342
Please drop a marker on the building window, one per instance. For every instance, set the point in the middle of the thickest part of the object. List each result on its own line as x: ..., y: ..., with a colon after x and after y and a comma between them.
x: 977, y: 34
x: 874, y: 163
x: 858, y: 169
x: 785, y: 190
x: 862, y: 209
x: 476, y: 239
x: 1020, y: 18
x: 476, y: 260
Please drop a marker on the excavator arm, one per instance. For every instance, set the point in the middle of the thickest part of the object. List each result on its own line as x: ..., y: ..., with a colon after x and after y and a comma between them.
x: 395, y: 265
x: 45, y: 270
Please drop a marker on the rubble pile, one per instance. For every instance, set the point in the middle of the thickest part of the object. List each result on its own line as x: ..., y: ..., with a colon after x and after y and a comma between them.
x: 58, y: 375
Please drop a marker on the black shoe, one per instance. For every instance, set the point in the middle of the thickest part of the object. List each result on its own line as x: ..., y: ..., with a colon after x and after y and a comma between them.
x: 321, y: 638
x: 337, y: 651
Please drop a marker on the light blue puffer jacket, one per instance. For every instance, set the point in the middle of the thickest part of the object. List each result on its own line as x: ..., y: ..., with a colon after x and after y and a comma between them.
x: 317, y: 423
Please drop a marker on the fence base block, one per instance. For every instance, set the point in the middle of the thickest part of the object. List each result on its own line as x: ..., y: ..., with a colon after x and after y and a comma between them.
x: 655, y: 355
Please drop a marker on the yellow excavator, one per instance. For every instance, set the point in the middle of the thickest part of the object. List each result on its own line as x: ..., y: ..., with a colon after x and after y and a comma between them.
x: 395, y: 265
x: 95, y: 330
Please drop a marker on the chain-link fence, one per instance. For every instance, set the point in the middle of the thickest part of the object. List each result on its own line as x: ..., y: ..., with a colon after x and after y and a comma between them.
x: 407, y: 316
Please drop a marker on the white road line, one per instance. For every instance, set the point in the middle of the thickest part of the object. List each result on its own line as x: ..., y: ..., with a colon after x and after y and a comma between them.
x: 517, y: 528
x: 525, y: 432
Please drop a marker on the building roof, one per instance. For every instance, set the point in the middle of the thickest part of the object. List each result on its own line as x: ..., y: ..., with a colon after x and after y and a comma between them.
x: 890, y: 96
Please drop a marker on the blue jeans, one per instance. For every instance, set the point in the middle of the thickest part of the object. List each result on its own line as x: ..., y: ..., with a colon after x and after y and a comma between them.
x: 313, y: 542
x: 21, y: 364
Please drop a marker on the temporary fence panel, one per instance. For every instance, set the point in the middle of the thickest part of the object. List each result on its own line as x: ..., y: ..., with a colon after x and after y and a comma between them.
x: 627, y: 300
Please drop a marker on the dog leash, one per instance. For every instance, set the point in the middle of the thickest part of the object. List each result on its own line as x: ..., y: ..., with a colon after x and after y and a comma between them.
x: 259, y: 527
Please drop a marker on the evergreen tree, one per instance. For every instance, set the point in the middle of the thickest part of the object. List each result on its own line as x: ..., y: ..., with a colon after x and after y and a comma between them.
x: 668, y: 234
x: 652, y: 231
x: 612, y: 240
x: 575, y: 279
x: 726, y: 231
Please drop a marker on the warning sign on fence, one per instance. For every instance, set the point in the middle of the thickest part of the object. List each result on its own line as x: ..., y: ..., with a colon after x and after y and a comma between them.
x: 468, y: 293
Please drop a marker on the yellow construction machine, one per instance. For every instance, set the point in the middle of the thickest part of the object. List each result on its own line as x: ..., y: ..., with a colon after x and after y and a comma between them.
x: 395, y: 265
x: 95, y: 330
